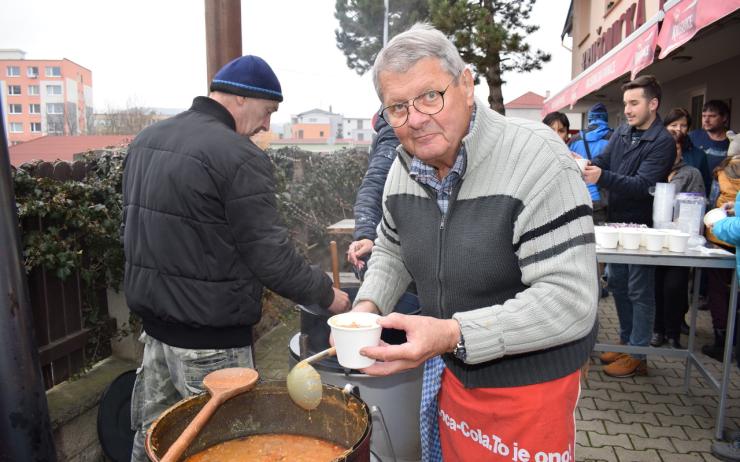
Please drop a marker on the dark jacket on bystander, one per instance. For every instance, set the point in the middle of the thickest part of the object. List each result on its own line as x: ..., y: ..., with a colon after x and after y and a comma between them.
x: 630, y: 169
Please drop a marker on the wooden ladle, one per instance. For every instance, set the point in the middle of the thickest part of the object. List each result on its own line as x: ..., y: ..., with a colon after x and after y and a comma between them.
x: 222, y: 385
x: 334, y: 263
x: 304, y: 383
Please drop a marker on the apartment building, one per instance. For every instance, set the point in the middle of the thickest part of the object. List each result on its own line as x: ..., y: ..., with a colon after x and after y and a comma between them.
x: 44, y: 97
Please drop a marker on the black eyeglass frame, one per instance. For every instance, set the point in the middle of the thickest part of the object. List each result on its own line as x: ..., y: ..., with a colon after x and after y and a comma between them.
x: 413, y: 103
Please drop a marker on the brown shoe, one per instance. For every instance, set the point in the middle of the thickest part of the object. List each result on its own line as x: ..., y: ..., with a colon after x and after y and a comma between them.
x: 626, y: 366
x: 609, y: 357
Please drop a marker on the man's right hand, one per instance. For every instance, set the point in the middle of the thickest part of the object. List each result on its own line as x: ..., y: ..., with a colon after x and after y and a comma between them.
x: 357, y: 250
x: 591, y: 174
x: 340, y: 304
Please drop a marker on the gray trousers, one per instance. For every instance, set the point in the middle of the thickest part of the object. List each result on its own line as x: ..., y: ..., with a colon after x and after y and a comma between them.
x: 169, y: 374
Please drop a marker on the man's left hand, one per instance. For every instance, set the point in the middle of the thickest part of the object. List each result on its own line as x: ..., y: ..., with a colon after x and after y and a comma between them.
x: 425, y: 337
x: 591, y: 174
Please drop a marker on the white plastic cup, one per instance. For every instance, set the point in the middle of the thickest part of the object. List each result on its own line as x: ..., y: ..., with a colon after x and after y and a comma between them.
x: 606, y: 237
x: 582, y: 163
x: 713, y: 216
x: 631, y: 238
x: 653, y: 239
x: 353, y: 331
x: 677, y: 242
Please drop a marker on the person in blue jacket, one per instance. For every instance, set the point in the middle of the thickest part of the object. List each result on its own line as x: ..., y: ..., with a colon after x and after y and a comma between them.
x: 589, y: 144
x: 728, y: 230
x: 368, y: 203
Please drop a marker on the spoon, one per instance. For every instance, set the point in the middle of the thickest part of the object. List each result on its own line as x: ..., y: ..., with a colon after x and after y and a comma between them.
x: 222, y: 384
x: 304, y: 383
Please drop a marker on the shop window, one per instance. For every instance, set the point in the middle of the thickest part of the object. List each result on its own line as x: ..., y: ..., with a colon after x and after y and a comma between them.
x: 53, y: 71
x: 14, y: 90
x: 34, y: 109
x: 35, y: 127
x: 16, y: 127
x: 14, y: 71
x: 33, y: 90
x: 15, y: 109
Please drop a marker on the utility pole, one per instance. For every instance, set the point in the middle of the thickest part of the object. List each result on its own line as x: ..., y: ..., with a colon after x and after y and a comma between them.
x: 25, y: 430
x: 223, y: 34
x: 385, y: 24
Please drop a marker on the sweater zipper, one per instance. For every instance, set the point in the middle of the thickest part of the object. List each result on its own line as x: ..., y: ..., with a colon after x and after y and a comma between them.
x: 440, y: 246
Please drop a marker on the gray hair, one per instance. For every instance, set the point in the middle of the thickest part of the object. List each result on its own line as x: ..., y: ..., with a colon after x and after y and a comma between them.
x: 407, y: 48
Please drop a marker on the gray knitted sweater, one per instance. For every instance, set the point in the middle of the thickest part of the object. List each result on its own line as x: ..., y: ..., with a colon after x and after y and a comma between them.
x: 513, y: 260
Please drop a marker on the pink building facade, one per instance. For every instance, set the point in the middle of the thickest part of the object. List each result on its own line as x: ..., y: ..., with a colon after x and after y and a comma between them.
x: 44, y: 97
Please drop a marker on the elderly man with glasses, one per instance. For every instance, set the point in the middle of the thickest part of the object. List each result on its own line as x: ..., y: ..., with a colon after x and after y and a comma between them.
x: 489, y: 216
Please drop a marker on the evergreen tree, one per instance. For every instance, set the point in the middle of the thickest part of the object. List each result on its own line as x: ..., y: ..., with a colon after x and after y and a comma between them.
x: 360, y: 33
x: 490, y: 34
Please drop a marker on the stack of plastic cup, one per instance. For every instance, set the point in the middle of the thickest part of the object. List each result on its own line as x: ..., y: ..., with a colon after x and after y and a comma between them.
x: 665, y: 194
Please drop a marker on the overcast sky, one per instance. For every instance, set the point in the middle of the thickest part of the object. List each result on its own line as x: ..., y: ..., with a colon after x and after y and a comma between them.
x: 152, y: 52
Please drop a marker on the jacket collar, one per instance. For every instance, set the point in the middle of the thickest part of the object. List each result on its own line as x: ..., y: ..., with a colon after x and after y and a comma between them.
x: 214, y: 109
x: 651, y: 134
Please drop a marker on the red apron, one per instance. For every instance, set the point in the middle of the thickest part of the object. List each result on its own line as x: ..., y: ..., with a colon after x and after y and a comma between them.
x: 531, y: 423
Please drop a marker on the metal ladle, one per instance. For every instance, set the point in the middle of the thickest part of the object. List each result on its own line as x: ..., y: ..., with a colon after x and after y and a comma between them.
x: 304, y: 383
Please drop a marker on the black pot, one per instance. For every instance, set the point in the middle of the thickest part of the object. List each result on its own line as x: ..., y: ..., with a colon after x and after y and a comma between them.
x: 341, y: 418
x: 316, y: 331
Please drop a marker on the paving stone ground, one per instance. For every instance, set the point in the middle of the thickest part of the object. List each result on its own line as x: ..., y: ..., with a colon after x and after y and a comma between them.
x: 635, y: 419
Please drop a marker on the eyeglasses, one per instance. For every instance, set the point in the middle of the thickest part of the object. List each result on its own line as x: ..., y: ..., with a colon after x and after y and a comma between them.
x: 430, y: 102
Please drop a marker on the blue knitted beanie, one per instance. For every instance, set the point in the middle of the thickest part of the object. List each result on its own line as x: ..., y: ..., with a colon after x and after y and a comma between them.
x: 598, y: 111
x: 248, y: 76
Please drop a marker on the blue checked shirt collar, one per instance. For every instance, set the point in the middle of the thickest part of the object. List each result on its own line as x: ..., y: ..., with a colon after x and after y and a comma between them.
x: 427, y: 175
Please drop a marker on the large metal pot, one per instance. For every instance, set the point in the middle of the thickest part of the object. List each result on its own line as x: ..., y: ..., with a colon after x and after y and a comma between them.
x: 393, y: 401
x: 316, y: 331
x: 341, y: 418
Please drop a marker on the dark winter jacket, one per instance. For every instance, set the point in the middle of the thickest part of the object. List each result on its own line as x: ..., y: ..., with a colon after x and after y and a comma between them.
x: 368, y: 205
x: 202, y: 234
x: 628, y: 171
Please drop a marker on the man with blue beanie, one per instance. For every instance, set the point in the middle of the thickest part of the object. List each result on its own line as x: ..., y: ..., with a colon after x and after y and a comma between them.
x: 589, y: 144
x: 202, y: 238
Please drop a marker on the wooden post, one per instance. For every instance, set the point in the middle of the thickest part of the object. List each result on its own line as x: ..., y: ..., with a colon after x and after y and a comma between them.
x: 334, y: 263
x: 25, y: 430
x: 223, y: 34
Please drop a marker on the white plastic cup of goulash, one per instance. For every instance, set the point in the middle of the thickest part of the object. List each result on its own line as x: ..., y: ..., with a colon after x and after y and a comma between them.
x: 353, y: 331
x: 677, y: 242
